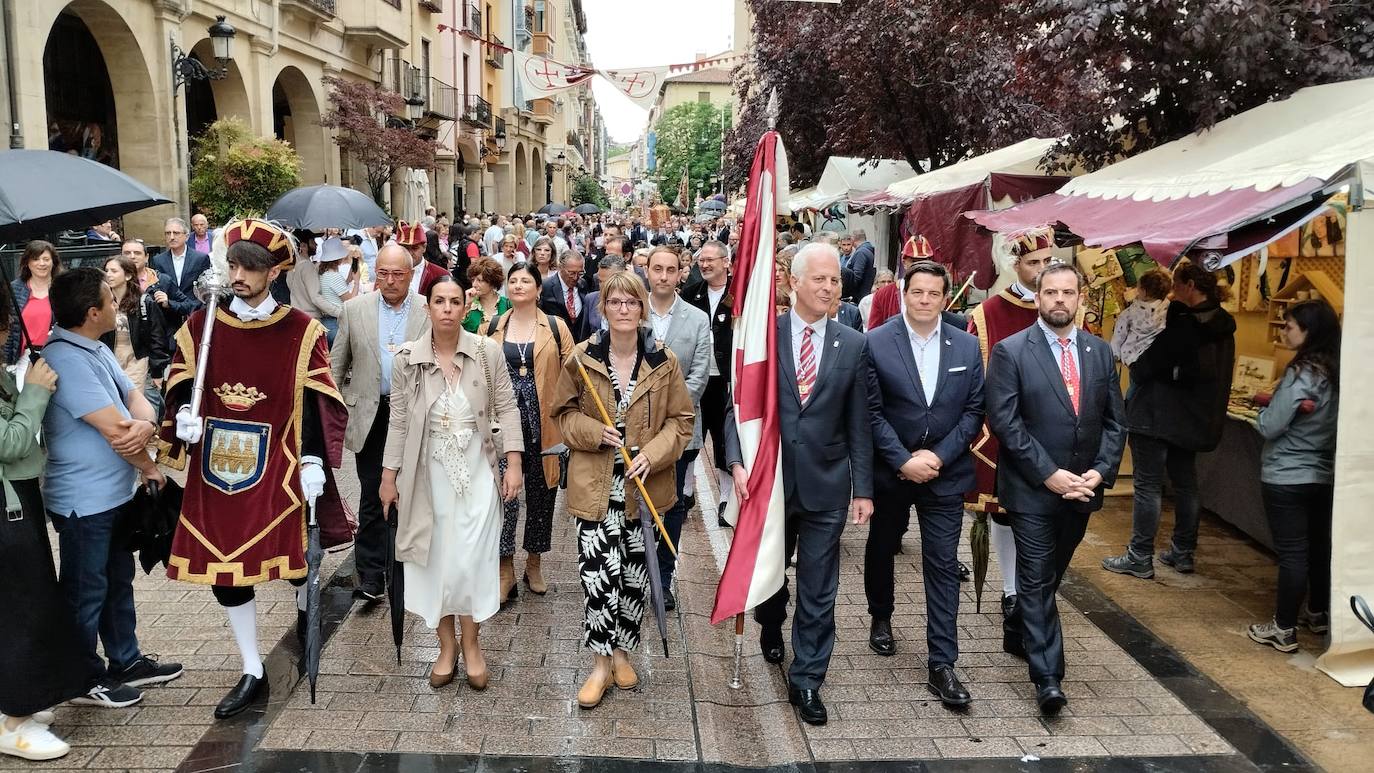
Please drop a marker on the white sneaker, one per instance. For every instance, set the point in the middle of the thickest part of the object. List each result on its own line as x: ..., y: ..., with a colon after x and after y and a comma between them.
x: 32, y: 741
x: 41, y: 717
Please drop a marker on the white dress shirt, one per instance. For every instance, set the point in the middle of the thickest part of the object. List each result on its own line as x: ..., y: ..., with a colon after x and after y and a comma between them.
x: 713, y: 297
x: 1058, y: 349
x: 240, y: 308
x: 926, y: 351
x: 817, y: 341
x: 178, y: 263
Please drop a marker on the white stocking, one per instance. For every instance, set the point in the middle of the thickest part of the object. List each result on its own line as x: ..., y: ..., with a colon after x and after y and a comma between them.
x: 243, y: 620
x: 1004, y: 545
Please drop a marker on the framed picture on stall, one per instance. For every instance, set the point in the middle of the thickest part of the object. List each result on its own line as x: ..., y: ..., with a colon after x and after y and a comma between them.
x: 1253, y: 375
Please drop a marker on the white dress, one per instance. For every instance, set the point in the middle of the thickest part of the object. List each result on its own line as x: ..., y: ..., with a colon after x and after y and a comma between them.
x: 463, y: 575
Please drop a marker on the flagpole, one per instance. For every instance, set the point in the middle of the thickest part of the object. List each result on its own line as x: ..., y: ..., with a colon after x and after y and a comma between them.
x: 625, y: 455
x: 735, y: 681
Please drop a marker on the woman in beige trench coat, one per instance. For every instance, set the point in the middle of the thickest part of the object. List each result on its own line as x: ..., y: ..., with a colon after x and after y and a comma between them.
x: 440, y: 470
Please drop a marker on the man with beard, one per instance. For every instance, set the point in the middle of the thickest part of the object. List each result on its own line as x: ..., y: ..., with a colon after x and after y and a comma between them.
x: 1054, y: 403
x: 271, y: 420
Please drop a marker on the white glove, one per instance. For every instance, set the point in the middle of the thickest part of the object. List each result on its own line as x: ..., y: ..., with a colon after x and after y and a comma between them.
x: 188, y: 427
x: 312, y: 478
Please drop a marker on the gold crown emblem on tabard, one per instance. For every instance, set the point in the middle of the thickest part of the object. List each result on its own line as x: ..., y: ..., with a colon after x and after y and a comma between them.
x: 239, y: 397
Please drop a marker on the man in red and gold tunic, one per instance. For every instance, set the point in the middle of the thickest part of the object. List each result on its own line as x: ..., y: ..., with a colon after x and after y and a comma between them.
x: 1004, y: 314
x: 271, y: 419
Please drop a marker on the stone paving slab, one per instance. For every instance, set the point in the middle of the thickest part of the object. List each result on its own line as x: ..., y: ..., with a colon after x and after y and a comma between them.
x: 684, y: 709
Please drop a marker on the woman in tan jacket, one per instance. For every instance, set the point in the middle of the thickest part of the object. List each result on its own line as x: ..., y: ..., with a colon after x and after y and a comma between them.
x: 644, y: 390
x: 534, y: 345
x: 440, y: 469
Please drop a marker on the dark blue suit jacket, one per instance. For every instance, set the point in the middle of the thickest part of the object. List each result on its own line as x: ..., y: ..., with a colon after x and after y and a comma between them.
x: 859, y: 277
x: 1030, y: 413
x: 196, y: 264
x: 902, y: 420
x: 827, y: 445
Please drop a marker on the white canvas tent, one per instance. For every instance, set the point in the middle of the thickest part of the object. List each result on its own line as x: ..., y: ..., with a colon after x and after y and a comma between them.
x: 1021, y: 158
x: 844, y: 176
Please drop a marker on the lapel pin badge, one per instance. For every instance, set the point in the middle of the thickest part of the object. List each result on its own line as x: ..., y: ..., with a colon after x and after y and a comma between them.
x: 835, y: 345
x: 1087, y: 348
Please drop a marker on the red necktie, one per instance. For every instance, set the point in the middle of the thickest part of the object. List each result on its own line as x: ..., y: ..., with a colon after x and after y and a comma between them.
x: 572, y: 305
x: 806, y: 374
x: 1070, y: 373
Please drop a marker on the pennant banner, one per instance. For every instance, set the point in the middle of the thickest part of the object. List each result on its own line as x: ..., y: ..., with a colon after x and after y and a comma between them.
x: 641, y: 86
x: 540, y: 77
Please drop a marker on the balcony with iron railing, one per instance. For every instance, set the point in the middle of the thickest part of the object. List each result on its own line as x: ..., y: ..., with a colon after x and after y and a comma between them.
x: 441, y: 101
x: 477, y: 111
x: 500, y: 130
x: 315, y: 10
x: 495, y: 52
x: 401, y: 77
x: 473, y: 22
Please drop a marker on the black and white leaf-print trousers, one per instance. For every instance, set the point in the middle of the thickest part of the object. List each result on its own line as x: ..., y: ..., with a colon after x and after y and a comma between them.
x: 610, y: 563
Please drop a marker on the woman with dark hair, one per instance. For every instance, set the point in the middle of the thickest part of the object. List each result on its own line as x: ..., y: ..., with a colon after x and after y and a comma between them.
x: 452, y: 416
x: 1180, y: 385
x: 485, y: 301
x: 39, y: 637
x: 37, y: 267
x: 139, y: 340
x: 534, y: 344
x: 434, y: 252
x: 1298, y: 472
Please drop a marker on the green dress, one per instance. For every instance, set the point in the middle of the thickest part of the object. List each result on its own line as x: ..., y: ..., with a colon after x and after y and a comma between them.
x: 476, y: 318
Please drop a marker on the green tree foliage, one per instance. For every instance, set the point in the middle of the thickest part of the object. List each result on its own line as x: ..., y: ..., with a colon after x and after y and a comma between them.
x: 689, y: 136
x: 586, y: 189
x: 235, y: 174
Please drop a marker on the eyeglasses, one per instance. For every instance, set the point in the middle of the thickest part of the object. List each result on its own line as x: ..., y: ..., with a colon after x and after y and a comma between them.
x: 387, y: 276
x: 623, y: 304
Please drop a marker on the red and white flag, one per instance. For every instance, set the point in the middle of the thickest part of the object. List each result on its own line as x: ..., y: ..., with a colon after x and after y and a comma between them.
x: 756, y: 566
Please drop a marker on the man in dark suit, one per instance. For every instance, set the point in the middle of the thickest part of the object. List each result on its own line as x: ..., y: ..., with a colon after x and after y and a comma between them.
x: 181, y: 263
x: 827, y: 458
x: 860, y: 268
x: 712, y: 296
x: 1054, y: 403
x: 562, y: 295
x: 925, y: 394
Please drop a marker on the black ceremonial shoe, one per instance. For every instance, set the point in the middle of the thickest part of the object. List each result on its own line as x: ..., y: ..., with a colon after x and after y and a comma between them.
x: 809, y: 706
x: 239, y: 698
x: 770, y: 641
x: 880, y: 638
x: 1049, y: 697
x: 947, y: 687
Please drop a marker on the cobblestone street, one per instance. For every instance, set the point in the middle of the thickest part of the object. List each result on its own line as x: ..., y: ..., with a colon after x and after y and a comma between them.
x: 370, y: 708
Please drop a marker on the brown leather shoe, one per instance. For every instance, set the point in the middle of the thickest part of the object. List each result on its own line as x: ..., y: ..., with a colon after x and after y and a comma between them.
x: 589, y: 697
x: 442, y: 680
x: 625, y: 676
x: 534, y: 577
x: 478, y: 682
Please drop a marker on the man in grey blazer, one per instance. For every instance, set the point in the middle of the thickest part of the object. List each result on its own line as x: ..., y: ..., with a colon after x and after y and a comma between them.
x: 372, y: 328
x: 827, y: 458
x: 684, y: 330
x: 1054, y: 403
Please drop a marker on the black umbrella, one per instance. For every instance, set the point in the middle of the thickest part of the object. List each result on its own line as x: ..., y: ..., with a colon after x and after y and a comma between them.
x: 314, y: 554
x: 317, y: 207
x: 395, y: 587
x: 711, y: 205
x: 587, y: 209
x: 154, y: 513
x: 553, y: 209
x: 646, y: 524
x: 42, y: 191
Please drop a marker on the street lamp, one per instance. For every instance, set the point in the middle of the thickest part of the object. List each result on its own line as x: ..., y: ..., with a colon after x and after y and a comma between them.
x: 185, y: 68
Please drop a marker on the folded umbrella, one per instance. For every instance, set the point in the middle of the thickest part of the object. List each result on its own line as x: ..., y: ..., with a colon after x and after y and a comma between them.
x: 395, y: 586
x: 646, y: 525
x: 153, y: 517
x: 978, y: 539
x: 314, y: 555
x: 317, y: 207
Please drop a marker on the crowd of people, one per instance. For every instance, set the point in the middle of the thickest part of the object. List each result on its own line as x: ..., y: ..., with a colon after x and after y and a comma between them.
x: 475, y: 367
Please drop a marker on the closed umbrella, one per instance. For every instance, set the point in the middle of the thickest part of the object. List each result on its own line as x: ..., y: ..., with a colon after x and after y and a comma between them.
x: 317, y: 207
x: 587, y: 209
x: 42, y: 191
x: 395, y: 586
x: 646, y: 524
x: 978, y: 539
x: 314, y: 555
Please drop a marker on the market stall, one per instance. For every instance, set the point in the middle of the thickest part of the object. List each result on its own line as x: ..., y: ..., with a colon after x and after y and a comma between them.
x: 845, y: 178
x: 1276, y: 197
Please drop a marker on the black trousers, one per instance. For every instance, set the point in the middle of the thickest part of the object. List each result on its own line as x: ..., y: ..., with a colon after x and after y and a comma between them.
x: 713, y: 405
x: 940, y: 519
x: 1045, y: 543
x: 369, y: 547
x: 1300, y: 520
x: 815, y: 537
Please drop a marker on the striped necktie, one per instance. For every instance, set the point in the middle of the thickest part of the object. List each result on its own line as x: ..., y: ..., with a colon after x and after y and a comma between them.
x: 806, y: 373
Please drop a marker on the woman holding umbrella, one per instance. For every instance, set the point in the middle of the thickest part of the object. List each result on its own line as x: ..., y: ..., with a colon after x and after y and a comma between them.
x: 643, y: 387
x: 449, y: 388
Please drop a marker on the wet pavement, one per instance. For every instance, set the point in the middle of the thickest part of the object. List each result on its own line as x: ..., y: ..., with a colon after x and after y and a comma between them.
x: 1135, y: 703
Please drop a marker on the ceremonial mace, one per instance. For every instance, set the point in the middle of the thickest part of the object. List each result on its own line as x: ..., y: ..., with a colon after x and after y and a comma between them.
x: 211, y: 287
x: 625, y: 455
x: 962, y: 289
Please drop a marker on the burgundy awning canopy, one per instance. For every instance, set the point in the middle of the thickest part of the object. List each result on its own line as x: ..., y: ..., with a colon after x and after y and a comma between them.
x: 1166, y: 228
